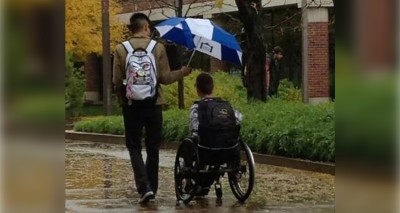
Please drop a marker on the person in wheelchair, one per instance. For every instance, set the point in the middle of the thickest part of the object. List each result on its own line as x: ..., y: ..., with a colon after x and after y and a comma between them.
x: 215, y: 127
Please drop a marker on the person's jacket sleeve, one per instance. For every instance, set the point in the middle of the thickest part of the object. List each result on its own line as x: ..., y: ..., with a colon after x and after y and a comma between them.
x: 118, y: 71
x: 166, y: 76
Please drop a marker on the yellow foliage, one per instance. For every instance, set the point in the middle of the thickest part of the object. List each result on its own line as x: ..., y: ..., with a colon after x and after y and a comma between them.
x: 225, y: 86
x: 219, y: 3
x: 26, y: 6
x: 83, y: 26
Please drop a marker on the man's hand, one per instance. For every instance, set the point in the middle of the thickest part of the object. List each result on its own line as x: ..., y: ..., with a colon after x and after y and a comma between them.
x: 186, y: 71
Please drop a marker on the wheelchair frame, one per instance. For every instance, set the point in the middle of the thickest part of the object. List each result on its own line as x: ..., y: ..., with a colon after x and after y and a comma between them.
x: 187, y: 170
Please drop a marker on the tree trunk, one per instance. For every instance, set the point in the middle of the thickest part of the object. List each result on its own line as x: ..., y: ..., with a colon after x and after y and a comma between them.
x: 106, y: 58
x: 254, y: 49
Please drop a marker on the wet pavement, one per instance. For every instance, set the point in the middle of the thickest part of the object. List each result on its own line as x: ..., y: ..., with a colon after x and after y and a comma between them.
x: 99, y: 178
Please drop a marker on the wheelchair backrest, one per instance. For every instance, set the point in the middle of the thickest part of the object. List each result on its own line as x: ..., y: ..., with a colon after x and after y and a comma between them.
x: 217, y: 124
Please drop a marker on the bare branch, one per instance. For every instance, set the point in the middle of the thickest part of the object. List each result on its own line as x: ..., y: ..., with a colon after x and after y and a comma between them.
x: 190, y: 7
x: 166, y: 4
x: 289, y: 19
x: 267, y: 3
x: 232, y: 18
x: 231, y: 5
x: 204, y: 11
x: 163, y: 13
x: 150, y: 8
x: 202, y: 6
x: 163, y: 4
x: 210, y: 7
x: 162, y: 8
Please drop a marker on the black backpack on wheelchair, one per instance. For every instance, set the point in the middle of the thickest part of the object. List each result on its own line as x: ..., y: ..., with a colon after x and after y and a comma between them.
x: 218, y: 132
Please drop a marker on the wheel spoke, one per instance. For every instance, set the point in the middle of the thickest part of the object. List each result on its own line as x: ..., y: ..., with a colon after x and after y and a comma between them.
x: 242, y: 179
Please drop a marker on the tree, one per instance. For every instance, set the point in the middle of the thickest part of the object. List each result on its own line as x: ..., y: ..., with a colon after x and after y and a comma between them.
x: 254, y: 49
x: 83, y: 26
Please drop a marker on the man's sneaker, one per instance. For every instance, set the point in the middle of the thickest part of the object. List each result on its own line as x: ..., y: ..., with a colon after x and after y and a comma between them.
x: 152, y: 198
x: 146, y: 196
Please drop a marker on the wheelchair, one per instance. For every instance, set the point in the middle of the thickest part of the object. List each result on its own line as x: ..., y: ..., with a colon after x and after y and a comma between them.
x: 197, y: 166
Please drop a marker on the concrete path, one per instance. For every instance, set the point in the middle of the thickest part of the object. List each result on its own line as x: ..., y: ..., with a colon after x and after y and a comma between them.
x: 99, y: 178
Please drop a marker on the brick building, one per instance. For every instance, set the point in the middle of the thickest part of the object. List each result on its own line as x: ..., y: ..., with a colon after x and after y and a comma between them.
x: 315, y: 40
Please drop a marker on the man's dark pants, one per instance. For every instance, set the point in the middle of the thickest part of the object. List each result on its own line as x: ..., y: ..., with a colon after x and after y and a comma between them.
x: 135, y: 118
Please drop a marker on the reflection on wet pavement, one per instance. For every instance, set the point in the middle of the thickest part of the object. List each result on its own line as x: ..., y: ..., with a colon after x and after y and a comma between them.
x: 98, y: 177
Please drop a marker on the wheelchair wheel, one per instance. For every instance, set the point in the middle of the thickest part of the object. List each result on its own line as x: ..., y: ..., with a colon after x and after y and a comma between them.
x: 241, y: 179
x: 186, y: 171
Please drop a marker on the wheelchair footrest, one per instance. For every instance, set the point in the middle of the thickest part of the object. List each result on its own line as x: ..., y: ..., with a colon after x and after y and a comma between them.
x: 218, y: 190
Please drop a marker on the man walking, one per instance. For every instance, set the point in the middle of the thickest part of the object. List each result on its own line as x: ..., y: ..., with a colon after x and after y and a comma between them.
x: 140, y: 66
x: 274, y: 73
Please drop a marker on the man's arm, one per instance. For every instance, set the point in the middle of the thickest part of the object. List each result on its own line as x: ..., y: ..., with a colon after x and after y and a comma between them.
x: 118, y: 70
x: 166, y: 76
x: 194, y: 120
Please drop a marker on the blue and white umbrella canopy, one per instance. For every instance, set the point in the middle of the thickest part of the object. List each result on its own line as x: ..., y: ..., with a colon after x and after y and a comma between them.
x: 202, y: 35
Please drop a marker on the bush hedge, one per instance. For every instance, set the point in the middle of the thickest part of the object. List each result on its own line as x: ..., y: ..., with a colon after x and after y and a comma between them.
x: 74, y: 88
x: 225, y: 86
x: 101, y: 124
x: 285, y: 128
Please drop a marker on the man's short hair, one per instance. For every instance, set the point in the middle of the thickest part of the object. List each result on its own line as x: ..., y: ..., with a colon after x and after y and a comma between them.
x: 137, y: 22
x: 277, y: 50
x: 205, y: 83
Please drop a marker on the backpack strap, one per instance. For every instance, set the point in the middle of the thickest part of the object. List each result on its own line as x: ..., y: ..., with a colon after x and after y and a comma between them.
x: 128, y: 46
x: 149, y: 49
x: 151, y: 46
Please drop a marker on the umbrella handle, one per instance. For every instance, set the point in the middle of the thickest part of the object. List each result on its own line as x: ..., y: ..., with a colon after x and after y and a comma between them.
x: 191, y: 57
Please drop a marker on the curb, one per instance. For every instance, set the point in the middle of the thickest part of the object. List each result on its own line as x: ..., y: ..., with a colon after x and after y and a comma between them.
x: 107, y: 138
x: 95, y: 137
x: 326, y: 168
x: 293, y: 163
x: 69, y: 126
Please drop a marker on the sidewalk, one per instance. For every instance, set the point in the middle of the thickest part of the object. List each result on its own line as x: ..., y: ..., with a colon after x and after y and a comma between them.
x: 98, y: 177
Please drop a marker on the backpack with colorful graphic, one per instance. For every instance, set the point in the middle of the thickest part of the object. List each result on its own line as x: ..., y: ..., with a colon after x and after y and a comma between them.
x: 141, y: 74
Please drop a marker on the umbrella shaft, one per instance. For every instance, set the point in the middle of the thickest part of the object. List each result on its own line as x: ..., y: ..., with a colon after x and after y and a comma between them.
x: 194, y: 50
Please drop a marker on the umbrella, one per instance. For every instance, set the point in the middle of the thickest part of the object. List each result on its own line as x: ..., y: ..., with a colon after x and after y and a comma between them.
x: 201, y: 35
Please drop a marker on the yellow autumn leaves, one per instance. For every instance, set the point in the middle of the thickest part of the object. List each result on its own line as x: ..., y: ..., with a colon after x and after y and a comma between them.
x: 83, y: 26
x: 219, y: 3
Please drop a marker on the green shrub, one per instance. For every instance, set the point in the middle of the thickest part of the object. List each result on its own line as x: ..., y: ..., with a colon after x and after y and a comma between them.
x: 74, y: 88
x: 101, y: 124
x: 288, y: 92
x: 97, y: 110
x: 225, y: 86
x: 175, y: 125
x: 284, y: 128
x: 290, y: 129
